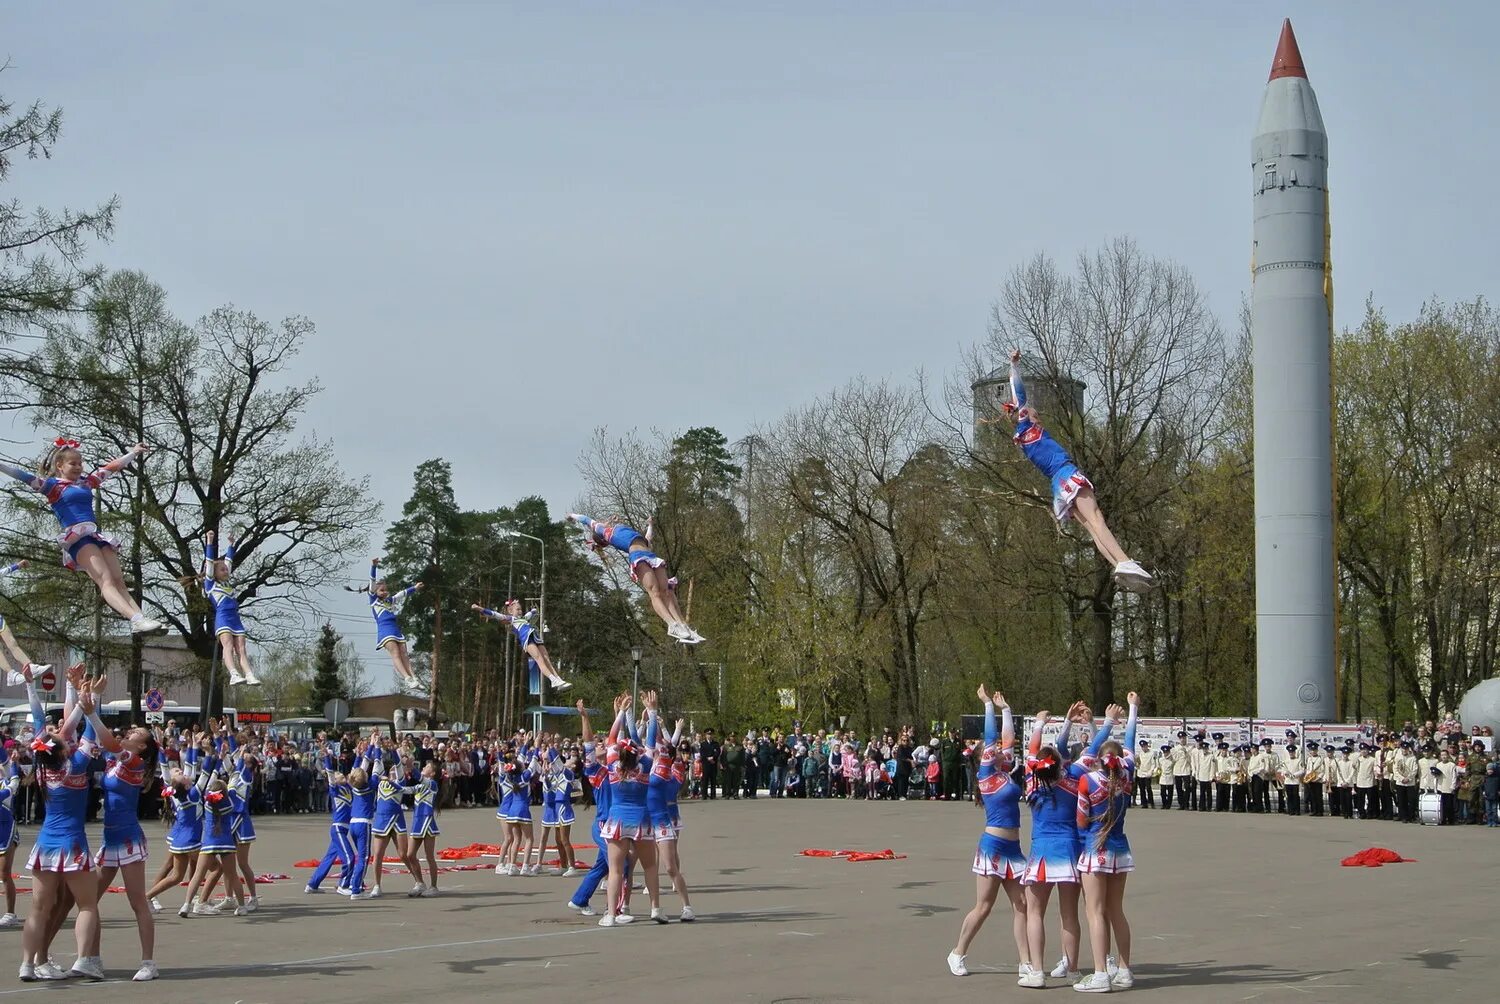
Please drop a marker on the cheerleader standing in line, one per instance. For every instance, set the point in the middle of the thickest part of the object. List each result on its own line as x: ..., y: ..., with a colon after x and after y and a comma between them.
x: 1104, y: 795
x: 10, y: 834
x: 627, y: 829
x: 1071, y: 490
x: 661, y: 805
x: 390, y: 821
x: 186, y: 833
x: 70, y: 493
x: 340, y: 847
x: 13, y: 677
x: 513, y: 784
x: 646, y: 568
x: 60, y: 860
x: 557, y: 812
x: 361, y: 815
x: 1052, y: 792
x: 239, y: 781
x: 388, y: 636
x: 424, y: 827
x: 135, y: 758
x: 999, y: 862
x: 218, y: 849
x: 528, y: 635
x: 228, y: 628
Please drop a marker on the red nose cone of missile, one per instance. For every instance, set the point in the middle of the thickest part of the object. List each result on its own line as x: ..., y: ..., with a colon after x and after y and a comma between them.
x: 1288, y: 61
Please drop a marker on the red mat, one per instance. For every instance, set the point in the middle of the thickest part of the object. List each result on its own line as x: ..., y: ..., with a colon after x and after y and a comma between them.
x: 885, y: 855
x: 1374, y: 857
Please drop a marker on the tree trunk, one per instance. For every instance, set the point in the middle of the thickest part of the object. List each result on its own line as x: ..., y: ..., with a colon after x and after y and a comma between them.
x: 1103, y: 624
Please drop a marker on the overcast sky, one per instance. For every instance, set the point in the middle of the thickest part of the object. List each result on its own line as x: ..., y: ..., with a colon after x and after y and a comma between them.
x: 512, y: 225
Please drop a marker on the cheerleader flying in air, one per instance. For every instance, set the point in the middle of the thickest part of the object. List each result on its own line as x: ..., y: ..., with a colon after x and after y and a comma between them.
x: 388, y: 636
x: 1071, y: 490
x: 528, y: 634
x: 646, y: 568
x: 70, y: 493
x: 228, y: 627
x: 13, y: 677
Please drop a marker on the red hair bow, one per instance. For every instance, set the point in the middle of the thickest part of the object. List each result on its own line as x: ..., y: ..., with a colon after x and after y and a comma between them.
x: 1008, y: 407
x: 214, y: 797
x: 1039, y: 763
x: 41, y: 744
x: 1112, y: 762
x: 63, y: 443
x: 166, y: 791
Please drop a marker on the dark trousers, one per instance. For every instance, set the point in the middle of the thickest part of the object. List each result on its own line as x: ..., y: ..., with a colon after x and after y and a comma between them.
x: 1239, y: 797
x: 1406, y: 803
x: 1365, y: 799
x: 710, y: 780
x: 1205, y: 796
x: 1447, y: 808
x: 1314, y: 797
x: 1293, y: 800
x: 1221, y: 796
x: 1387, y: 800
x: 1257, y: 794
x: 1143, y: 788
x: 1346, y: 801
x: 1167, y: 791
x: 1186, y: 792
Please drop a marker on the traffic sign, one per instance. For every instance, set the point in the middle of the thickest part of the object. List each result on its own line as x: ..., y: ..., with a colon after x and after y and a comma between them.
x: 336, y: 710
x: 47, y: 682
x: 154, y: 701
x: 155, y: 717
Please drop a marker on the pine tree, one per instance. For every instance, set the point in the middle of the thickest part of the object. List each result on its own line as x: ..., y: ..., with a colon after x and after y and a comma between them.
x: 328, y: 684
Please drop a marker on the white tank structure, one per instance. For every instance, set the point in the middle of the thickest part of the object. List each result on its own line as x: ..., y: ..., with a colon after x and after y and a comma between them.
x: 1481, y: 706
x: 1291, y: 327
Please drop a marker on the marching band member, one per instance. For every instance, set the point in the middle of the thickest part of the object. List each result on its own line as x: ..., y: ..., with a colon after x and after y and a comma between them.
x: 1292, y: 768
x: 1182, y: 773
x: 1225, y: 765
x: 1205, y: 769
x: 1145, y: 772
x: 1348, y: 774
x: 1404, y: 776
x: 1312, y: 778
x: 1365, y: 781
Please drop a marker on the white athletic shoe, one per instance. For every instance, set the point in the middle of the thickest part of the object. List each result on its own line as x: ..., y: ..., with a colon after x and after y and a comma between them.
x: 1034, y: 978
x: 570, y: 871
x: 417, y: 890
x: 242, y: 911
x: 311, y: 890
x: 1110, y: 966
x: 624, y: 918
x: 185, y: 909
x: 27, y: 973
x: 366, y: 894
x: 679, y: 631
x: 154, y: 903
x: 583, y: 911
x: 50, y: 970
x: 252, y: 903
x: 1122, y: 979
x: 534, y: 870
x: 1061, y: 970
x: 14, y: 679
x: 88, y: 968
x: 148, y: 971
x: 251, y: 681
x: 688, y: 916
x: 201, y: 909
x: 561, y: 685
x: 1094, y: 983
x: 145, y: 625
x: 658, y: 916
x: 694, y: 638
x: 373, y: 892
x: 344, y: 890
x: 430, y: 892
x: 10, y: 920
x: 956, y: 964
x: 606, y: 921
x: 1130, y: 575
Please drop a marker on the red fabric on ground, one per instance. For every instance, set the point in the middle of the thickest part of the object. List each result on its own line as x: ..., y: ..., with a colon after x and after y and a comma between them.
x: 1374, y: 857
x: 885, y: 855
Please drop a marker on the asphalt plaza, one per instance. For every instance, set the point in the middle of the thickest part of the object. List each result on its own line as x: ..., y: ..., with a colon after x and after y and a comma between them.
x: 1223, y: 908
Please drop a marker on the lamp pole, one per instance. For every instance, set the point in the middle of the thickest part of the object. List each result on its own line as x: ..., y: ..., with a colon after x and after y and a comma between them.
x: 635, y: 687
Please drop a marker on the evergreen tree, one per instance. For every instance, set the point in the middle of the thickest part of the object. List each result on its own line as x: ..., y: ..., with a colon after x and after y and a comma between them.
x: 328, y: 683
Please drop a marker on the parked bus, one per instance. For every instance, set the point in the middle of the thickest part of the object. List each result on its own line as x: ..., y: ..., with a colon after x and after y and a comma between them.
x: 303, y: 731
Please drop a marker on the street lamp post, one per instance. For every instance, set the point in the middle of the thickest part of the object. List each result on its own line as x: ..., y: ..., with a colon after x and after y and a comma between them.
x: 635, y: 688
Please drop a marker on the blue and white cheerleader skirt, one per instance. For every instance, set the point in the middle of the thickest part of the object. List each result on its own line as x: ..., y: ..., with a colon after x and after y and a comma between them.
x: 999, y: 857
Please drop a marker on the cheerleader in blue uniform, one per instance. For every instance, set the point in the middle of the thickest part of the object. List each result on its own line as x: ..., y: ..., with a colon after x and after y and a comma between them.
x: 514, y: 774
x: 1104, y: 795
x: 186, y: 833
x: 228, y: 627
x: 646, y: 568
x: 217, y: 850
x: 390, y: 821
x: 361, y: 815
x: 70, y: 494
x: 628, y: 828
x: 999, y: 862
x: 239, y: 783
x: 661, y: 807
x: 424, y: 827
x: 10, y: 834
x: 596, y: 773
x: 529, y: 635
x: 1052, y: 792
x: 16, y: 678
x: 557, y: 812
x: 1071, y: 490
x: 340, y: 847
x: 60, y: 861
x: 134, y: 760
x: 388, y: 636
